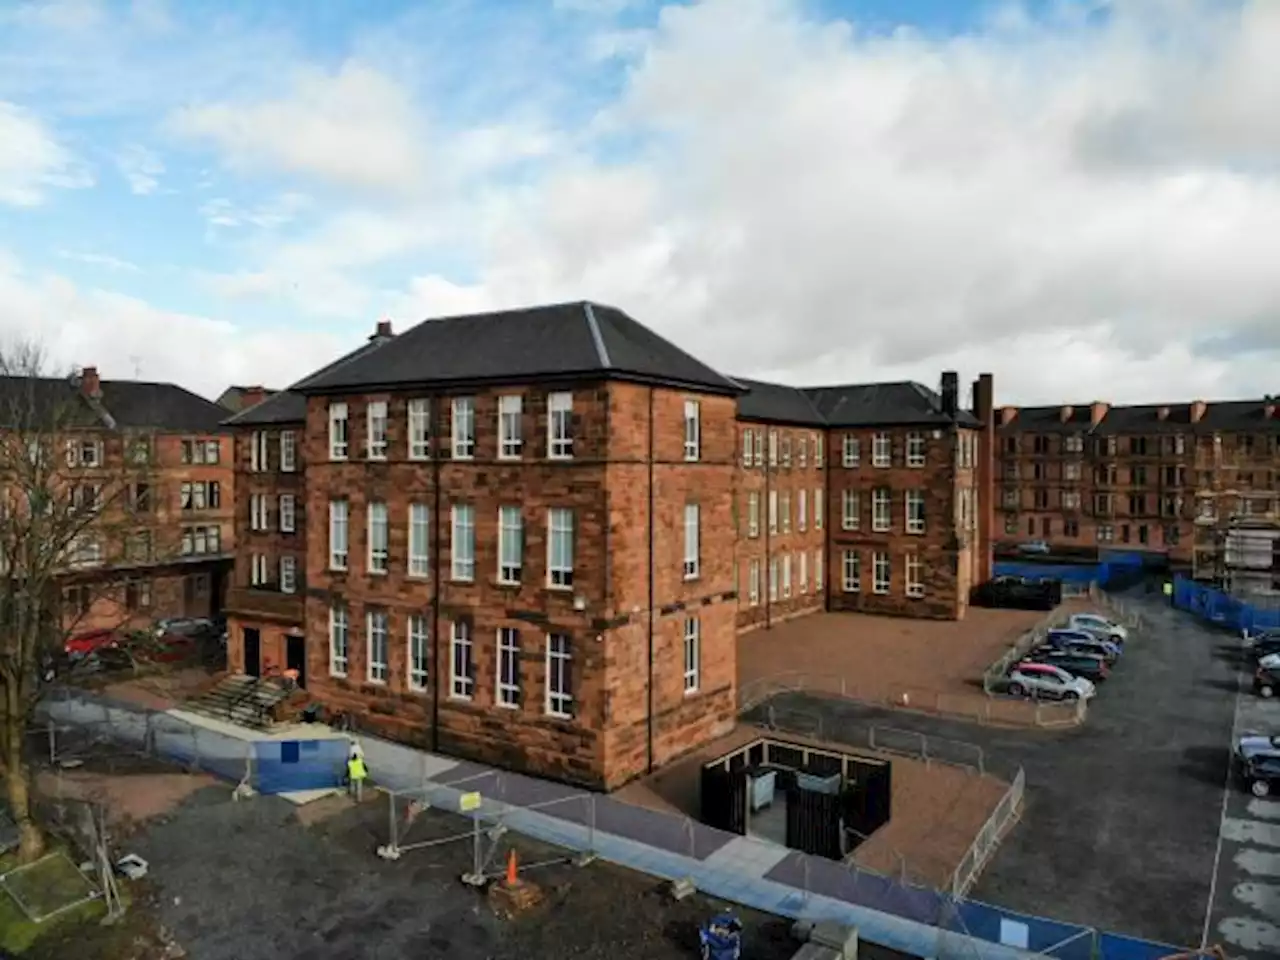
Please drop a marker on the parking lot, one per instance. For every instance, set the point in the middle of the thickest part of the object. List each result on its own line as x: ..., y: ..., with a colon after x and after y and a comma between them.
x: 1122, y: 817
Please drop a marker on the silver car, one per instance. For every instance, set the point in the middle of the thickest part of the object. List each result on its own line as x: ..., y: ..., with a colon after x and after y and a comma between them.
x: 1044, y: 681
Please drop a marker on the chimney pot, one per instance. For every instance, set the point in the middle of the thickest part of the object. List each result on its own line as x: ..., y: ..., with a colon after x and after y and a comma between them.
x: 1064, y: 415
x: 1097, y: 410
x: 383, y: 329
x: 90, y: 385
x: 1198, y: 408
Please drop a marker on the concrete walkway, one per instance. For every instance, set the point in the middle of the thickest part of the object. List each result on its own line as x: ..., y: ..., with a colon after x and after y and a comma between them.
x: 722, y: 865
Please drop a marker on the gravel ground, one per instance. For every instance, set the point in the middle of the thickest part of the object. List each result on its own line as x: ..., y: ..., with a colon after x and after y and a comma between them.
x: 243, y: 881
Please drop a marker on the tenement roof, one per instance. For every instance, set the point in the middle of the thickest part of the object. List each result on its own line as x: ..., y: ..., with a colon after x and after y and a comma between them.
x: 120, y: 404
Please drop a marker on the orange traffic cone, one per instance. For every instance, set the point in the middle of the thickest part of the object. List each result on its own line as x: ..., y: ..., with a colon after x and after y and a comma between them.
x: 513, y: 871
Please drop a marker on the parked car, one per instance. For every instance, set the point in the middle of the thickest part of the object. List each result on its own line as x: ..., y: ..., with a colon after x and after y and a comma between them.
x: 198, y: 628
x: 1092, y: 668
x: 1044, y: 680
x: 1252, y: 637
x: 1100, y: 626
x: 1081, y: 641
x: 83, y: 644
x: 1265, y: 647
x: 1256, y: 763
x: 1034, y: 546
x: 1266, y: 678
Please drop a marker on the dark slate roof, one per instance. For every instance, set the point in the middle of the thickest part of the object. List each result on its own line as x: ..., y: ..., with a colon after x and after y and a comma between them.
x: 883, y: 404
x: 233, y: 398
x: 159, y: 406
x: 1049, y: 419
x: 558, y: 341
x: 124, y: 404
x: 1226, y: 416
x: 776, y: 403
x: 282, y: 406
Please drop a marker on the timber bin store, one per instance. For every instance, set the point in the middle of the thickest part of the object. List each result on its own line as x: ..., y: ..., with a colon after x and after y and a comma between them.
x: 819, y: 801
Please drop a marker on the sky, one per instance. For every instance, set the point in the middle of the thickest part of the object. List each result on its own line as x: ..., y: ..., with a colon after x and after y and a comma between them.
x: 1079, y: 196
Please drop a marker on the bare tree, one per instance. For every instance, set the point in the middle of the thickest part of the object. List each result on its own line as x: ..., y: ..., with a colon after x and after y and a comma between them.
x: 69, y: 483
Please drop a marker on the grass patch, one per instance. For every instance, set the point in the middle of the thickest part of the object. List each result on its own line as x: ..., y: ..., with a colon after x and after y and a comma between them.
x: 45, y: 886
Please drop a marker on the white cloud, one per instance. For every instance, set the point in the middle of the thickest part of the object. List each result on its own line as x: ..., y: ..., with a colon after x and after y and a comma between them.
x: 141, y: 168
x: 124, y: 336
x: 32, y: 160
x: 355, y: 128
x: 832, y: 206
x: 69, y: 15
x: 103, y: 260
x: 284, y: 209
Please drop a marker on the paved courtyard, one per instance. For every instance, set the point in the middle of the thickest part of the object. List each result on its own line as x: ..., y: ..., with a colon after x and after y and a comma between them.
x: 1122, y: 816
x: 930, y: 666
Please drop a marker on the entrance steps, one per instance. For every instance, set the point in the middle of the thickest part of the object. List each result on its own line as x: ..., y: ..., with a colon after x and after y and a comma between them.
x: 242, y: 700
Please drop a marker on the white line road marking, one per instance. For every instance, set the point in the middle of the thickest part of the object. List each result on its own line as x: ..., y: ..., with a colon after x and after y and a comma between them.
x: 1267, y: 809
x: 1262, y: 897
x: 1258, y: 863
x: 1252, y: 935
x: 1251, y: 831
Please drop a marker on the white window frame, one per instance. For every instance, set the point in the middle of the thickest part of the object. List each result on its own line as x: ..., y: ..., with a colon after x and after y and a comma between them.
x: 259, y: 520
x: 914, y: 576
x: 786, y: 576
x: 288, y: 513
x: 759, y: 451
x: 418, y: 417
x: 288, y: 573
x: 377, y: 641
x: 881, y: 510
x: 378, y: 535
x: 850, y: 510
x: 802, y: 451
x: 375, y: 419
x: 882, y: 450
x: 881, y: 564
x: 339, y: 534
x: 692, y: 431
x: 339, y: 432
x: 692, y: 541
x: 819, y: 508
x: 510, y: 545
x: 819, y: 585
x: 339, y: 641
x: 559, y: 676
x: 506, y: 692
x: 785, y: 511
x: 773, y: 579
x: 803, y: 559
x: 288, y: 451
x: 819, y: 455
x: 258, y: 451
x: 915, y: 450
x: 560, y: 533
x: 773, y: 448
x: 773, y: 511
x: 802, y: 510
x: 753, y: 514
x: 461, y: 653
x: 753, y: 583
x: 418, y: 661
x: 560, y: 425
x: 692, y: 654
x: 462, y: 428
x: 258, y: 570
x: 747, y: 453
x: 850, y: 451
x: 913, y: 499
x: 419, y: 546
x: 851, y: 572
x: 462, y: 543
x: 510, y: 432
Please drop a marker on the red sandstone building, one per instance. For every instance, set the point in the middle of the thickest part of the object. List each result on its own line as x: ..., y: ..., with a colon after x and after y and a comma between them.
x: 1166, y: 478
x: 532, y: 537
x: 149, y: 465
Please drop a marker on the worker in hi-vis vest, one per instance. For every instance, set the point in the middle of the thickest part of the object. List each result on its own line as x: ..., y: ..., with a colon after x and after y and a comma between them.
x: 1168, y: 590
x: 357, y: 774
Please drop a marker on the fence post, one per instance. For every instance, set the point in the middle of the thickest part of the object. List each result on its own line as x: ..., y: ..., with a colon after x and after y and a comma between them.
x: 53, y: 744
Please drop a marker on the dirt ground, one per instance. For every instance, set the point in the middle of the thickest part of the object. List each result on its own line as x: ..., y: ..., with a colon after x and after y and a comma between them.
x: 937, y: 808
x: 924, y: 665
x: 162, y: 690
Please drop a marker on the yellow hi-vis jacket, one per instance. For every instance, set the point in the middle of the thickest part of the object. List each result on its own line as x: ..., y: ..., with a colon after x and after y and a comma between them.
x: 1168, y: 589
x: 356, y: 770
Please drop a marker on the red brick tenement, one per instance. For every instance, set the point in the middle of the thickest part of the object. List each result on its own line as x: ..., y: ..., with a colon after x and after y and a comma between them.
x: 521, y: 541
x: 1158, y: 477
x: 780, y: 506
x: 265, y: 600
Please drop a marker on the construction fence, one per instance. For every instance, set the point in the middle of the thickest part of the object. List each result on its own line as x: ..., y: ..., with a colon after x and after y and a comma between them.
x: 1222, y: 608
x: 77, y: 727
x: 1113, y: 571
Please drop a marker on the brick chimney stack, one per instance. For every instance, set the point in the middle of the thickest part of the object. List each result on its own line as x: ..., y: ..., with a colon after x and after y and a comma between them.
x: 984, y: 409
x: 1198, y: 408
x: 383, y: 331
x: 252, y: 396
x: 90, y: 385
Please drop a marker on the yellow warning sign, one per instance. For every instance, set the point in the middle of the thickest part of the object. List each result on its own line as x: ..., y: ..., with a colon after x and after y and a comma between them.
x: 468, y: 802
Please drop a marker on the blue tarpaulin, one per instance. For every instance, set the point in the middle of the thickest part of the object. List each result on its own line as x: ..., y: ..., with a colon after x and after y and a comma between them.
x: 289, y: 766
x: 1222, y: 608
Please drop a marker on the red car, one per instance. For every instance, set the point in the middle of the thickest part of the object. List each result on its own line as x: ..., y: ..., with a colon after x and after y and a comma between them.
x: 84, y: 644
